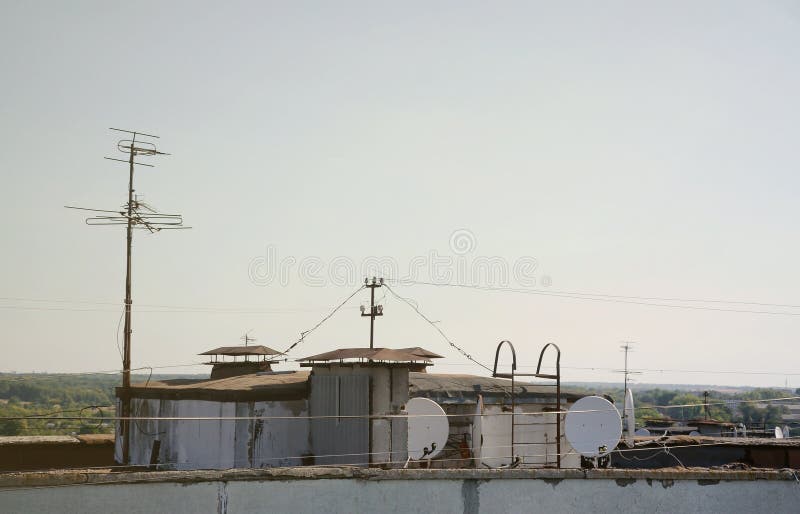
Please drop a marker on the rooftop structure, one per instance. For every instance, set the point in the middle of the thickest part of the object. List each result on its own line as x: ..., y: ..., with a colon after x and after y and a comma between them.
x: 238, y: 351
x: 416, y: 358
x: 352, y: 408
x: 275, y: 423
x: 255, y: 359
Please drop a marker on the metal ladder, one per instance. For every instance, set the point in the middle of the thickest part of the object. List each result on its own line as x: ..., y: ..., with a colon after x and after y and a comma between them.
x: 550, y: 450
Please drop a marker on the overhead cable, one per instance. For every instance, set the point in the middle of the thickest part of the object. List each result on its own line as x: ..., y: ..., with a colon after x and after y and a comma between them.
x: 610, y: 299
x: 435, y: 326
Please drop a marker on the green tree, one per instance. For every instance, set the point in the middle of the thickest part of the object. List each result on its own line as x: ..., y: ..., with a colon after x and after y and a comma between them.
x: 691, y: 406
x: 13, y: 426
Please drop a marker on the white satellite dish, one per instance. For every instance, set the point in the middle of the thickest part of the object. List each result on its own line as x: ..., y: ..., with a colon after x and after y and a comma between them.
x: 593, y: 426
x: 778, y: 433
x: 428, y: 428
x: 786, y: 432
x: 642, y: 432
x: 694, y: 433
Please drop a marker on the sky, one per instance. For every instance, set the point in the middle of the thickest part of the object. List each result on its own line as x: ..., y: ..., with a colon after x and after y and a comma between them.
x: 637, y: 150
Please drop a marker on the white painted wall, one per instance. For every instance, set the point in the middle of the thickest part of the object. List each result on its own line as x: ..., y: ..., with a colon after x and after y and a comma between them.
x: 496, y: 430
x: 388, y: 395
x: 220, y: 443
x: 422, y: 495
x: 225, y: 444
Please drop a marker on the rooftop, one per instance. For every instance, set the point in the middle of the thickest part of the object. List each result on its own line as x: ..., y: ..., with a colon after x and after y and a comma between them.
x: 236, y: 351
x: 415, y: 354
x: 287, y: 385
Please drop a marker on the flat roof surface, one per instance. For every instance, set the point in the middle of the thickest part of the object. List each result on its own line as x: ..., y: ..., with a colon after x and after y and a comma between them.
x: 461, y: 385
x: 254, y: 386
x: 415, y: 354
x: 241, y: 350
x: 294, y: 385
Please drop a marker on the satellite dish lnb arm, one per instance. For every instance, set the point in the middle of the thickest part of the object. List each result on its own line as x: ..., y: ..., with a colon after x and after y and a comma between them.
x: 426, y: 452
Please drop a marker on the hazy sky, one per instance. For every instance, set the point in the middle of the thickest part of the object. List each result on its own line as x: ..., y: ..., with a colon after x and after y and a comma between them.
x: 631, y: 148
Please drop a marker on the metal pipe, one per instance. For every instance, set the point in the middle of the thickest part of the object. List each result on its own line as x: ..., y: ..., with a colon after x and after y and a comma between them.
x: 126, y: 359
x: 372, y: 316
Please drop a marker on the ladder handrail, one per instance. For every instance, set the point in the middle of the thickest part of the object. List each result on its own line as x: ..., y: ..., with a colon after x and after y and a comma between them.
x: 513, y: 357
x: 539, y: 374
x: 558, y: 358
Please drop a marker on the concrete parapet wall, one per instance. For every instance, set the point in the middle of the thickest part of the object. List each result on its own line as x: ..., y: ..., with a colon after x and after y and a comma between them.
x: 300, y: 490
x: 25, y: 453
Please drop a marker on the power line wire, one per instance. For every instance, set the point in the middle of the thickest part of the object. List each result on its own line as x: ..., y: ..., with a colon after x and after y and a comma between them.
x: 435, y: 326
x: 262, y: 312
x: 609, y: 299
x: 8, y: 376
x: 52, y: 415
x: 651, y: 370
x: 605, y: 295
x: 323, y: 320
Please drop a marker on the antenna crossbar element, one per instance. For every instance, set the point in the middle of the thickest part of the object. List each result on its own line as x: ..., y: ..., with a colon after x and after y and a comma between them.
x: 148, y: 149
x: 135, y: 133
x: 128, y: 162
x: 92, y: 210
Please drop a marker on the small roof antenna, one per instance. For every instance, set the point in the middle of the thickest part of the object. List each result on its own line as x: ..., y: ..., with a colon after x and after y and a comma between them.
x: 246, y: 337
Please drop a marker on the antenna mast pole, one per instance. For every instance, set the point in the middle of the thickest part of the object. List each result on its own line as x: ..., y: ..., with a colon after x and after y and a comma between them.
x: 126, y: 359
x: 373, y: 309
x: 626, y: 347
x: 246, y: 338
x: 137, y: 215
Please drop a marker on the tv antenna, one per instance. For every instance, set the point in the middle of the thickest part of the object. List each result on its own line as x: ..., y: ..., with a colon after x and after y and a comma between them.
x: 133, y: 215
x: 627, y: 347
x: 246, y: 337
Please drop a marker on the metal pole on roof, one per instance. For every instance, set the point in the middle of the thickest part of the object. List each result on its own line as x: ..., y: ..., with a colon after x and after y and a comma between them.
x: 246, y: 338
x: 136, y: 214
x: 373, y: 309
x: 126, y: 360
x: 627, y: 346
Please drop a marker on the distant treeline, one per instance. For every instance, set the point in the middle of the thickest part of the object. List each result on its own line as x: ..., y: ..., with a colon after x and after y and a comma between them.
x: 688, y: 404
x: 58, y: 396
